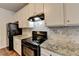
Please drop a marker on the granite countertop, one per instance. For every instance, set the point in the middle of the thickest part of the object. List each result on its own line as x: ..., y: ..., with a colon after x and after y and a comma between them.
x: 62, y: 47
x: 22, y: 36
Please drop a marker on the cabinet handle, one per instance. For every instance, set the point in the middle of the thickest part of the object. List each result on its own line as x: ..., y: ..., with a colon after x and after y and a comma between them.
x: 50, y: 54
x: 45, y: 23
x: 68, y: 21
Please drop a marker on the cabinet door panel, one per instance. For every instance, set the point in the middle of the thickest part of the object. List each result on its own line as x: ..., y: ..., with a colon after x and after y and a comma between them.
x: 22, y: 16
x: 17, y: 45
x: 19, y: 18
x: 25, y: 15
x: 45, y: 52
x: 54, y: 14
x: 71, y: 14
x: 31, y: 9
x: 39, y: 8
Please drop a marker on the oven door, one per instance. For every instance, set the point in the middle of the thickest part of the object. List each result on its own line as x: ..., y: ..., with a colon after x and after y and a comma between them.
x: 30, y: 50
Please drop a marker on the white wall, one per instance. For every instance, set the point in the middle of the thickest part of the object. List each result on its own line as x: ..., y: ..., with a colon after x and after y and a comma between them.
x: 6, y: 16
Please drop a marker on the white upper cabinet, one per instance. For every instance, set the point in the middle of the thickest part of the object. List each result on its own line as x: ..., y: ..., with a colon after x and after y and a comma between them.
x: 22, y: 16
x: 54, y: 14
x: 35, y: 9
x: 28, y: 11
x: 31, y: 9
x: 39, y: 8
x: 18, y: 17
x: 71, y: 14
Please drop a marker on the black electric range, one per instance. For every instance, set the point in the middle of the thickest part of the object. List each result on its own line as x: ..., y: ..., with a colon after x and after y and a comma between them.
x: 30, y: 41
x: 31, y: 46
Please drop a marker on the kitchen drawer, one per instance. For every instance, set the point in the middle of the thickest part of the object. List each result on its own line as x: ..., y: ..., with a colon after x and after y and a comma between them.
x: 45, y: 52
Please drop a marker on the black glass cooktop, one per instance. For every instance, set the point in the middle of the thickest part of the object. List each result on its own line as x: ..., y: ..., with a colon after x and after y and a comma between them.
x: 31, y: 41
x: 38, y: 37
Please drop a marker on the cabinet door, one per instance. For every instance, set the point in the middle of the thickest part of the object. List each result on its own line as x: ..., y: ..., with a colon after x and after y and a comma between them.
x: 25, y: 13
x: 31, y: 9
x: 22, y: 16
x: 19, y: 18
x: 54, y: 14
x: 17, y: 45
x: 35, y: 9
x: 39, y: 8
x: 45, y: 52
x: 18, y: 50
x: 71, y: 14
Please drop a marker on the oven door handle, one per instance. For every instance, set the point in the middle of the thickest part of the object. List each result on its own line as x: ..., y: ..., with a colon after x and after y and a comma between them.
x: 29, y: 47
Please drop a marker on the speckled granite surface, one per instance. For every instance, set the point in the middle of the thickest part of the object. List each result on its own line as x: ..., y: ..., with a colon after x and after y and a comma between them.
x: 62, y: 47
x: 62, y: 40
x: 22, y: 36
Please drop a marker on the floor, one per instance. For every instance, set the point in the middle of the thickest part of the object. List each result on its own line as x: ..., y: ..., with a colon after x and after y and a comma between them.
x: 6, y: 52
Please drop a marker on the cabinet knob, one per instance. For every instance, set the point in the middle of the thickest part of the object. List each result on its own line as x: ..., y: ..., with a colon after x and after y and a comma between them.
x: 68, y: 21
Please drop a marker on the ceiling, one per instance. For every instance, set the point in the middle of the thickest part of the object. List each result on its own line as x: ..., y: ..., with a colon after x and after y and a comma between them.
x: 12, y: 6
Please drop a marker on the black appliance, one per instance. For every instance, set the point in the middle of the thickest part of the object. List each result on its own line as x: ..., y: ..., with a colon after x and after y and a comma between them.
x: 12, y: 30
x: 39, y: 36
x: 36, y: 18
x: 31, y: 46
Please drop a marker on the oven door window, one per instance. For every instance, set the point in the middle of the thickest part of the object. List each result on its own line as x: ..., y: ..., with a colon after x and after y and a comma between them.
x: 28, y: 52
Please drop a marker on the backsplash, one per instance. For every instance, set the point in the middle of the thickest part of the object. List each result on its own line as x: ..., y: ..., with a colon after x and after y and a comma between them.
x: 26, y: 31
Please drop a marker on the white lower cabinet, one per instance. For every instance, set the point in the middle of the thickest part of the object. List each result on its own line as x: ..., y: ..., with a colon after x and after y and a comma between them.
x: 45, y: 52
x: 17, y: 45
